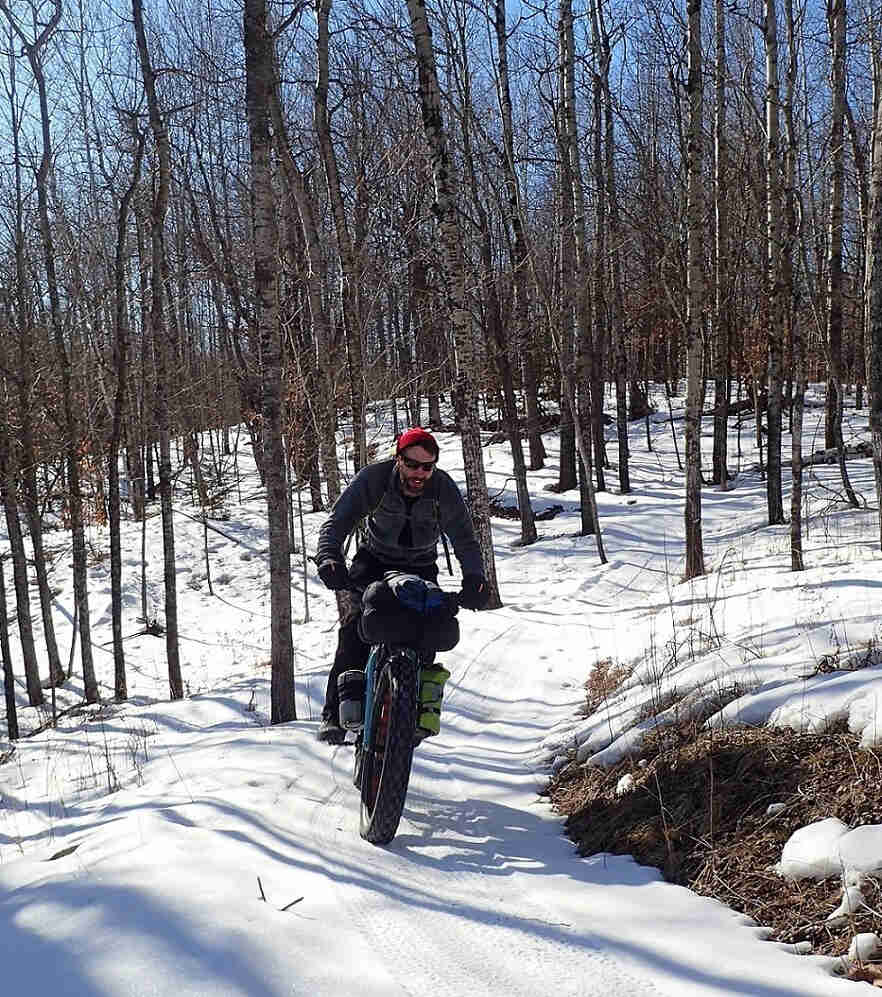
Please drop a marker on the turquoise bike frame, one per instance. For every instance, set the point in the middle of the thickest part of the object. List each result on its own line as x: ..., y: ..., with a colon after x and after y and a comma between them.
x: 370, y: 670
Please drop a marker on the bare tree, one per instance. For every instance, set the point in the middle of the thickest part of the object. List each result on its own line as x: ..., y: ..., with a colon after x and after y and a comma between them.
x: 519, y: 251
x: 615, y: 303
x: 695, y: 296
x: 26, y: 380
x: 121, y: 364
x: 498, y: 340
x: 873, y: 302
x: 324, y: 400
x: 350, y: 306
x: 721, y: 255
x: 795, y: 334
x: 584, y: 279
x: 162, y: 333
x: 6, y: 658
x: 774, y: 289
x: 34, y: 52
x: 572, y: 328
x: 454, y: 272
x: 8, y: 496
x: 583, y: 387
x: 259, y: 90
x: 836, y: 20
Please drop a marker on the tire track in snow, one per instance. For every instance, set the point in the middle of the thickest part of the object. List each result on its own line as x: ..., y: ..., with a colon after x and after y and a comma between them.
x: 439, y: 915
x: 549, y: 955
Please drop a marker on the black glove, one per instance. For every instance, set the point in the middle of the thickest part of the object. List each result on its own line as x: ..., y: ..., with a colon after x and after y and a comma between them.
x: 475, y: 592
x: 334, y: 575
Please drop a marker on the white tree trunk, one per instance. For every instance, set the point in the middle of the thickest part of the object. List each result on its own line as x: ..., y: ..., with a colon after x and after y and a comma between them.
x: 773, y: 267
x: 873, y: 297
x: 162, y: 349
x: 695, y: 297
x: 455, y: 285
x: 722, y: 306
x: 349, y: 282
x: 324, y: 407
x: 259, y: 91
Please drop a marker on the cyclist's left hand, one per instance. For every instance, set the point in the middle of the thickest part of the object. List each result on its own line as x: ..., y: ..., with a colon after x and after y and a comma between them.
x: 475, y: 592
x: 334, y: 575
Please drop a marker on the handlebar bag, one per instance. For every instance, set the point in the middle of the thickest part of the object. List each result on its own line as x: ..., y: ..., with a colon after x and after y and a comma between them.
x: 405, y: 609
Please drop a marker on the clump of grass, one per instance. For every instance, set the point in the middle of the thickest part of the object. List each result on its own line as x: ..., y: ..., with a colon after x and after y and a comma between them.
x: 658, y: 703
x: 604, y: 681
x: 686, y: 716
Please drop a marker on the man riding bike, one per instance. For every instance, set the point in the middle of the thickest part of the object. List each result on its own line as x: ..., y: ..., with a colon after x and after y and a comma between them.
x: 408, y: 503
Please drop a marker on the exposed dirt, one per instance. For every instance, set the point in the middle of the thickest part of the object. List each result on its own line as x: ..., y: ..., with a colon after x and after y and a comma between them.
x: 698, y: 811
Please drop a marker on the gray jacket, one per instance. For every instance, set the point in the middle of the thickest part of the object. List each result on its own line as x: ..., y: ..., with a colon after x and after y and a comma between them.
x: 374, y: 493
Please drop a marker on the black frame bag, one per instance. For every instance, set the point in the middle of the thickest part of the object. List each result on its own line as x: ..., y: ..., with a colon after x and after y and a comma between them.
x: 405, y: 609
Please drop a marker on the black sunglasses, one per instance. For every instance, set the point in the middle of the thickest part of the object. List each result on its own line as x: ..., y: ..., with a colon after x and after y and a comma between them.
x: 424, y: 465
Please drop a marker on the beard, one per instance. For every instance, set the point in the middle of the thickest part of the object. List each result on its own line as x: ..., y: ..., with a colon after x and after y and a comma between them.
x: 412, y: 486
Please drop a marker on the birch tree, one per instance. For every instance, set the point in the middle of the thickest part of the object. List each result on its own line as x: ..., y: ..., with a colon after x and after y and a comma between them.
x: 450, y: 237
x: 120, y: 363
x: 350, y: 307
x: 873, y: 301
x: 694, y: 295
x: 161, y: 333
x: 722, y: 307
x: 794, y: 330
x: 519, y: 248
x: 836, y: 20
x: 260, y: 76
x: 774, y: 295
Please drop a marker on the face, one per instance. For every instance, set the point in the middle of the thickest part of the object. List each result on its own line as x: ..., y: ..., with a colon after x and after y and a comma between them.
x: 413, y: 479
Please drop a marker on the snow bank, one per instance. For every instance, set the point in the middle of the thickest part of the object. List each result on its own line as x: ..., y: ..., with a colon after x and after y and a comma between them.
x: 828, y: 848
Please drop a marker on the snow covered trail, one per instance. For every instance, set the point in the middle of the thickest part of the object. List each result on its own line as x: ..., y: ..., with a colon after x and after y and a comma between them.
x: 230, y: 865
x: 480, y: 894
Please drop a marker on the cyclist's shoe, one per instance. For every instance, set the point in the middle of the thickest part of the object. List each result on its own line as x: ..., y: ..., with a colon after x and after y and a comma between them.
x: 330, y: 732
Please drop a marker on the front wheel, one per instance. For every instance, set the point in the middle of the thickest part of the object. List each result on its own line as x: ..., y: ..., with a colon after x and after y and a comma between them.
x: 386, y: 761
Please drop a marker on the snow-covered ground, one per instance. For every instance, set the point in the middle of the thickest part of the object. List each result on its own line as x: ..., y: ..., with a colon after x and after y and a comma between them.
x: 175, y: 849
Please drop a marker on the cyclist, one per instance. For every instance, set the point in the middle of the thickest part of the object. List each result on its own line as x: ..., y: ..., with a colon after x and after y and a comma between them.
x: 407, y: 502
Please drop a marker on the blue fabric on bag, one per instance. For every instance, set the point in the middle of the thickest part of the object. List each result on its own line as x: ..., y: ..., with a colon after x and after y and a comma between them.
x: 415, y: 593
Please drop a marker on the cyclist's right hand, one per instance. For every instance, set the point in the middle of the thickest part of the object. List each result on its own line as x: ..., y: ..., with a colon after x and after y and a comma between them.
x: 475, y: 592
x: 334, y: 575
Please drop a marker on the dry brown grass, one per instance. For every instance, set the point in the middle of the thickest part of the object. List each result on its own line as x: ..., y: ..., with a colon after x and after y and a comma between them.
x: 605, y: 680
x: 698, y: 811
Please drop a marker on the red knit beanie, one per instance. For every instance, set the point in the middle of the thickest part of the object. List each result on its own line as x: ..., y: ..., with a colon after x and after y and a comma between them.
x: 417, y: 437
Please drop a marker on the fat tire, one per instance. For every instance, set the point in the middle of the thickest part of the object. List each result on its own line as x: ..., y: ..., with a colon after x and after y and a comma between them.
x: 386, y: 763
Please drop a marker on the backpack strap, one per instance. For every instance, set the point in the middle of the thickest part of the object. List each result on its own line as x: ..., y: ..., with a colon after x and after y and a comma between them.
x: 443, y: 536
x: 359, y: 527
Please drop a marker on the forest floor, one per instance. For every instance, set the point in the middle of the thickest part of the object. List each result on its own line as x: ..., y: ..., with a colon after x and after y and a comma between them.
x: 698, y: 810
